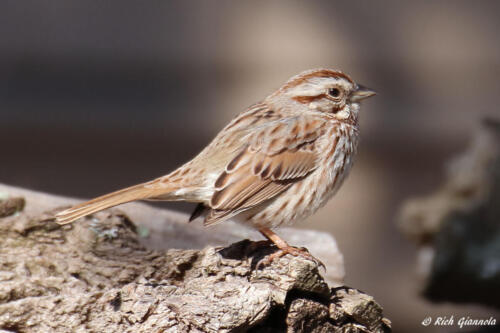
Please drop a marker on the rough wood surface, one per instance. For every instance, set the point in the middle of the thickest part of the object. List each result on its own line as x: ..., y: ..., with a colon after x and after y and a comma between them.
x: 99, y: 275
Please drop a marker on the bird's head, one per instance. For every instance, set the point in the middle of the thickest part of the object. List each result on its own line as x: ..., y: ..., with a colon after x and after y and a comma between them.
x: 322, y: 90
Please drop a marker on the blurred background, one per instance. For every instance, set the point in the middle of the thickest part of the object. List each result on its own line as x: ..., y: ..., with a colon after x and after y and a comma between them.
x: 95, y: 96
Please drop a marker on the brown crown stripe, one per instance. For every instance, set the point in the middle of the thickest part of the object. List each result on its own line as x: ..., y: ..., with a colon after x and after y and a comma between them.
x: 319, y: 73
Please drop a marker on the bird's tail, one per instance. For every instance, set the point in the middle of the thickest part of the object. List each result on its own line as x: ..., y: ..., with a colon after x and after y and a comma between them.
x: 136, y: 192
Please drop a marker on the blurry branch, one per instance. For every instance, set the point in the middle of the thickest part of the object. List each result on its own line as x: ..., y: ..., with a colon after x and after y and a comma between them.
x: 457, y: 227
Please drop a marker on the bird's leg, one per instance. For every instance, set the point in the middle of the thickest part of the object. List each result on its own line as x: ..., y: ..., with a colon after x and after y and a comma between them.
x: 277, y: 240
x: 284, y: 248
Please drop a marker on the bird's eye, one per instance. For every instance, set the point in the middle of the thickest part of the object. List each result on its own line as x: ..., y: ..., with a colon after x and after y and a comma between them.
x: 334, y: 92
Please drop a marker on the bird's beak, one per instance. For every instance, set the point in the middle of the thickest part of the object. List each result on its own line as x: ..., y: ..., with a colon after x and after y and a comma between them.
x: 361, y: 93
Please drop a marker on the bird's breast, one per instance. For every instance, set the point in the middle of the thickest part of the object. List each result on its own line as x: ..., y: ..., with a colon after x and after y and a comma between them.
x: 335, y: 150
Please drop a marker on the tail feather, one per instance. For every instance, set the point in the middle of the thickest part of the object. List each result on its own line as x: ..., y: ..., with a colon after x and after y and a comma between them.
x: 137, y: 192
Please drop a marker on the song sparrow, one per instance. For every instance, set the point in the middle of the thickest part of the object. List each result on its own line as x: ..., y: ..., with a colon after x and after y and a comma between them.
x: 275, y: 163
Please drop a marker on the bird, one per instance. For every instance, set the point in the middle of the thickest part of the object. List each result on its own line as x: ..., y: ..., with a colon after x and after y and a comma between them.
x: 274, y: 164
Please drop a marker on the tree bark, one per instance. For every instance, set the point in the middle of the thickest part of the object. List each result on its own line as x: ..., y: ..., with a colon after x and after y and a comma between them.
x: 100, y: 275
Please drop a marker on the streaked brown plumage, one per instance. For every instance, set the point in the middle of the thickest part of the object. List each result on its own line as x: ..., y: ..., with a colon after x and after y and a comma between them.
x: 275, y: 163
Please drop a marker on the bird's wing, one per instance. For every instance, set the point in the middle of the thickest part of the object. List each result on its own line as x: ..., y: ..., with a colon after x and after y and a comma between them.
x: 275, y: 155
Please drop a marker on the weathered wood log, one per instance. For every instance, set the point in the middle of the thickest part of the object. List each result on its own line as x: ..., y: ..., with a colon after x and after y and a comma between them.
x: 457, y: 228
x: 100, y: 275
